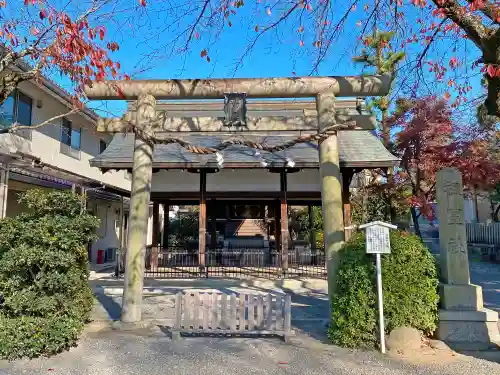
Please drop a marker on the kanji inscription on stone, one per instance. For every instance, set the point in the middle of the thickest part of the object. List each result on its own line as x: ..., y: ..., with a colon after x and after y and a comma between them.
x: 455, y: 216
x: 452, y: 188
x: 377, y: 240
x: 454, y: 260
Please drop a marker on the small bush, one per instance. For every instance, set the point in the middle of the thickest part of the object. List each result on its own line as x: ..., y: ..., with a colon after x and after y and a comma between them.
x: 410, y: 281
x: 45, y: 295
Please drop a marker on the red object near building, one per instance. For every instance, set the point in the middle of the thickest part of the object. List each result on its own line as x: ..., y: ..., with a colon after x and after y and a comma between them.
x: 100, y: 256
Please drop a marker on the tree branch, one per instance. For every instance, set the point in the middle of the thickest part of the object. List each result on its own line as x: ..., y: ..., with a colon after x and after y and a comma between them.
x: 472, y: 25
x: 16, y: 127
x: 266, y: 29
x: 193, y: 27
x: 490, y: 10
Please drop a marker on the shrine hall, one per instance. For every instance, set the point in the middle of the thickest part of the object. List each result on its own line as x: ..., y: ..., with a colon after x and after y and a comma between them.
x: 243, y: 194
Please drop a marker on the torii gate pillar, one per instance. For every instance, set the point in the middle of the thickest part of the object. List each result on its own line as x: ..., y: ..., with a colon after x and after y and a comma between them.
x: 140, y: 194
x: 331, y: 188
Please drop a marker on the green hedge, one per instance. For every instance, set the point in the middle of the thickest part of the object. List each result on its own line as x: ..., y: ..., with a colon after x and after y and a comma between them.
x: 45, y: 295
x: 410, y: 282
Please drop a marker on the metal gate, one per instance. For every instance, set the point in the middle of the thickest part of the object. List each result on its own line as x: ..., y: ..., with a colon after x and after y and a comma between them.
x: 184, y: 263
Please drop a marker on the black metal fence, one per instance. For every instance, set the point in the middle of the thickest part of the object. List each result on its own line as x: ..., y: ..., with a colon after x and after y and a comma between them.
x: 175, y: 262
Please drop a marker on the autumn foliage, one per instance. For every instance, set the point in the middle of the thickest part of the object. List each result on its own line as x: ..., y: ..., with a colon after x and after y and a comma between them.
x: 429, y: 140
x: 45, y: 38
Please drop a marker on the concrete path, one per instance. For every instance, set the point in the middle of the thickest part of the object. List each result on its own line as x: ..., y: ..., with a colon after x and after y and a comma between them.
x: 487, y: 275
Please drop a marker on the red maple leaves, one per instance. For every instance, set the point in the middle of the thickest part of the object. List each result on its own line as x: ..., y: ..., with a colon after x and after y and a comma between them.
x: 429, y: 140
x: 76, y: 48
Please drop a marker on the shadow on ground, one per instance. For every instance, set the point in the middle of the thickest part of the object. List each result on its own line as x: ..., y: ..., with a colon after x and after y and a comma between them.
x: 310, y: 307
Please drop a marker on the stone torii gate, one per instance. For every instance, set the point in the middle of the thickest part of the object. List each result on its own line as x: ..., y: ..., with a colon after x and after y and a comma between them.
x: 146, y: 121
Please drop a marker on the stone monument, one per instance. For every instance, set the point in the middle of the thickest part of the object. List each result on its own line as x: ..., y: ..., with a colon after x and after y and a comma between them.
x: 464, y: 323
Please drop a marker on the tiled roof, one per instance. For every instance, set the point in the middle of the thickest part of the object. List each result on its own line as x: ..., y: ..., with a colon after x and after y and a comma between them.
x: 356, y: 149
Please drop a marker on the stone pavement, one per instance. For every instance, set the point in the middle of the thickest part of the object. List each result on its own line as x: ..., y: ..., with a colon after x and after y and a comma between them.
x: 487, y: 275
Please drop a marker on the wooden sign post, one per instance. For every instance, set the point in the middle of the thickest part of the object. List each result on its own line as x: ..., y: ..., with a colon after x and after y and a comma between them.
x: 378, y: 242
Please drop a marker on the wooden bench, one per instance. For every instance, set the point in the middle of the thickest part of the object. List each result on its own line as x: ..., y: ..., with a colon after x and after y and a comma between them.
x: 243, y: 314
x: 488, y: 252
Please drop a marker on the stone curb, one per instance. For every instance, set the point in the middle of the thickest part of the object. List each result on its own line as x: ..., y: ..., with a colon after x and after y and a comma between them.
x: 117, y: 291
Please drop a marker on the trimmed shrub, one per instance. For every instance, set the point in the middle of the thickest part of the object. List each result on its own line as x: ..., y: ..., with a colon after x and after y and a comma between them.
x: 45, y: 295
x: 410, y: 282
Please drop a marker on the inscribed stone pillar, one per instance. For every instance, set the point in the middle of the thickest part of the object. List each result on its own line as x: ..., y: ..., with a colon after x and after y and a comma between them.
x: 331, y: 188
x: 4, y: 188
x: 463, y: 321
x: 452, y: 235
x: 139, y: 213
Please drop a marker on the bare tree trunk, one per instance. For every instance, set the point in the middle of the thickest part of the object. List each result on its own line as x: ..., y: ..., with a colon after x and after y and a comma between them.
x: 495, y: 214
x: 416, y: 224
x: 8, y: 83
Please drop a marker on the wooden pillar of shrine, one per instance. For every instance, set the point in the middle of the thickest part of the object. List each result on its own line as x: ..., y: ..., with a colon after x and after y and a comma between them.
x: 213, y: 224
x: 156, y: 224
x: 284, y: 237
x: 121, y: 226
x: 331, y: 188
x: 202, y: 221
x: 4, y: 188
x: 166, y: 223
x: 312, y: 232
x: 140, y: 194
x: 156, y: 235
x: 277, y: 231
x: 347, y: 175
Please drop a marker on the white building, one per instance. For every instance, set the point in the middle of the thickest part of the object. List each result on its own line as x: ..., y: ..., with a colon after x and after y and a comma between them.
x: 57, y: 156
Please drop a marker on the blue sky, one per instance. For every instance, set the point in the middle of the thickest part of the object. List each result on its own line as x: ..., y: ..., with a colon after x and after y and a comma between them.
x: 277, y: 53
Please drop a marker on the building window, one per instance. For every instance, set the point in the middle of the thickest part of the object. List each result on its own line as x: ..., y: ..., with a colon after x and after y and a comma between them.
x: 102, y: 146
x: 16, y: 109
x: 70, y: 139
x: 24, y: 108
x: 70, y: 135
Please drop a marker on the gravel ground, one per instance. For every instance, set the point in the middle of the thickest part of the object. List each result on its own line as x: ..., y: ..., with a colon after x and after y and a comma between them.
x: 153, y: 352
x: 114, y: 352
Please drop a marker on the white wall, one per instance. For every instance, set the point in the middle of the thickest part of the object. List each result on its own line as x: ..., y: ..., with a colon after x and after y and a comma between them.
x: 175, y: 181
x: 306, y: 180
x: 108, y: 231
x: 237, y: 180
x: 46, y: 141
x: 243, y: 180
